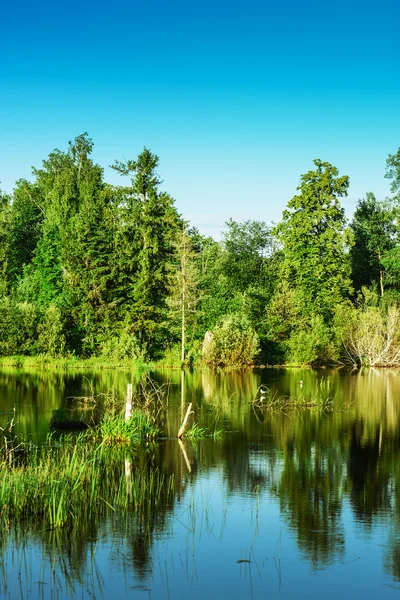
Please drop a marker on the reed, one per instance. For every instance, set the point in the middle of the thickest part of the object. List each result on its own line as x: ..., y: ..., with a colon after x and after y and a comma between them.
x: 196, y: 432
x: 113, y: 429
x: 77, y: 483
x: 322, y: 399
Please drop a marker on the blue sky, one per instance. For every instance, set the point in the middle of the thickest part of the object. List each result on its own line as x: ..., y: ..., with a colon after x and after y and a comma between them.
x: 237, y: 98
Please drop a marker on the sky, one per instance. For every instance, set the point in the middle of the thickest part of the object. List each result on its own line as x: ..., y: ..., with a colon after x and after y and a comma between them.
x: 237, y: 98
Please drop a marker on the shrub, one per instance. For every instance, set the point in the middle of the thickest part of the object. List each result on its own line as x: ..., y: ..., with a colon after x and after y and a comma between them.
x: 311, y: 344
x: 18, y: 327
x: 370, y: 335
x: 233, y: 343
x: 122, y: 347
x: 51, y: 333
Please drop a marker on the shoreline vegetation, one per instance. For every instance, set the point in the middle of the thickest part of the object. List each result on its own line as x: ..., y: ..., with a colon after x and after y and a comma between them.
x: 96, y: 275
x: 141, y: 367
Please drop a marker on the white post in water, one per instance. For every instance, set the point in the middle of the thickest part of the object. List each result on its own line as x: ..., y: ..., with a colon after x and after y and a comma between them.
x: 183, y: 426
x: 128, y: 406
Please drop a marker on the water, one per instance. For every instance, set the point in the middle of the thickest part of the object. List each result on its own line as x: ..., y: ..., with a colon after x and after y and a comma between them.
x: 291, y: 504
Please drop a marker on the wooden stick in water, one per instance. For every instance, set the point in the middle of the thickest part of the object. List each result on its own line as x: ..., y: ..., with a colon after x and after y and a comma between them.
x: 128, y: 405
x: 183, y: 426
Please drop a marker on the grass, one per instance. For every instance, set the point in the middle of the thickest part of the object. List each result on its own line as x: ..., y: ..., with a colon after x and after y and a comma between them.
x: 72, y: 362
x: 196, y: 432
x: 113, y: 430
x: 58, y: 487
x: 322, y: 399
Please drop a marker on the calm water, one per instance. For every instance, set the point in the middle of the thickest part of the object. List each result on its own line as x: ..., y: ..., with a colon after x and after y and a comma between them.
x: 287, y: 505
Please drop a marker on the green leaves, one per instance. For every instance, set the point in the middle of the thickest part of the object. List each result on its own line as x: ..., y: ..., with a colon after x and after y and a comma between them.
x: 314, y: 239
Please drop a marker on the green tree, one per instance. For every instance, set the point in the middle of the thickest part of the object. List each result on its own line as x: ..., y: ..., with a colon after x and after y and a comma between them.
x: 248, y: 247
x: 315, y: 241
x: 393, y: 172
x: 184, y: 294
x: 374, y: 231
x: 26, y: 219
x: 145, y: 246
x: 4, y: 240
x: 72, y: 264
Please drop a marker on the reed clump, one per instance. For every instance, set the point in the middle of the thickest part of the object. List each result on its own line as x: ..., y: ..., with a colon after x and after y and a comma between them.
x: 114, y: 430
x: 75, y: 484
x: 322, y: 399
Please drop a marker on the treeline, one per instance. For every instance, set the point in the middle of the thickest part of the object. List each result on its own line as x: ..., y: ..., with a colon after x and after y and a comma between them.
x: 93, y: 269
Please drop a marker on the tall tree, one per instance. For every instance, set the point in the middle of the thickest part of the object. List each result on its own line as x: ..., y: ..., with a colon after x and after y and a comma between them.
x: 315, y: 241
x: 149, y: 221
x: 374, y: 230
x: 72, y: 267
x: 5, y: 211
x: 393, y: 172
x: 25, y: 226
x: 184, y: 295
x: 248, y: 247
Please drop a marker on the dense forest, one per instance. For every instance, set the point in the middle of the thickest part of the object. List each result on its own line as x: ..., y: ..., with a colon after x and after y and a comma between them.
x: 92, y: 269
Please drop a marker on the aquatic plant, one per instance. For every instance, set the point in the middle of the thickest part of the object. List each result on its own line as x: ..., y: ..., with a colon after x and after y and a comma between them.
x: 57, y: 487
x: 322, y: 399
x: 113, y: 429
x: 196, y: 432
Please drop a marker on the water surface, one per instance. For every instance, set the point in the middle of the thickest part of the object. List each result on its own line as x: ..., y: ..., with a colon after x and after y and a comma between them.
x: 300, y: 503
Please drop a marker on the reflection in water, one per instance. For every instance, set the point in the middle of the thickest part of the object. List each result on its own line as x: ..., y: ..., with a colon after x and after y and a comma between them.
x: 299, y: 489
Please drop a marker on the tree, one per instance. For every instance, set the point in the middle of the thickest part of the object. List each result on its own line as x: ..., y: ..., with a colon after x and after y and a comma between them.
x: 184, y: 285
x: 315, y: 241
x: 248, y: 248
x: 374, y: 231
x: 393, y: 172
x: 26, y: 220
x: 145, y: 245
x: 4, y: 239
x: 72, y: 266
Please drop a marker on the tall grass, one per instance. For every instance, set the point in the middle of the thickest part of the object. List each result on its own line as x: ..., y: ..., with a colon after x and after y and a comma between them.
x: 113, y: 430
x: 58, y: 487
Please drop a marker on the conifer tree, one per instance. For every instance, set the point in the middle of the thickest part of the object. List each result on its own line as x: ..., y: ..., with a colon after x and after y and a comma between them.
x: 145, y: 246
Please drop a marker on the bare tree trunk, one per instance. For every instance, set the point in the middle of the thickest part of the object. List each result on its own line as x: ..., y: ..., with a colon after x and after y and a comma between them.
x: 183, y: 426
x: 128, y: 405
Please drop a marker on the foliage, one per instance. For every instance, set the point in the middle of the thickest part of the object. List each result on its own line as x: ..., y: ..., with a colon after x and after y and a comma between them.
x: 18, y: 327
x: 315, y: 240
x: 93, y: 270
x: 234, y: 343
x: 51, y: 333
x: 121, y: 347
x: 370, y: 334
x: 184, y: 290
x: 374, y: 231
x: 393, y: 172
x: 145, y: 243
x: 311, y: 345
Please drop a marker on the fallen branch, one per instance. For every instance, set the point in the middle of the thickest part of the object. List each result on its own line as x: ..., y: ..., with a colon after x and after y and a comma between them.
x: 183, y: 426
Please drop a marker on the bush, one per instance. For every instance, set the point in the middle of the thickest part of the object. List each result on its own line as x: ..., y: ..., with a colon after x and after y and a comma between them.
x: 370, y: 335
x: 122, y: 347
x: 311, y: 345
x: 233, y: 343
x: 18, y: 327
x: 51, y: 333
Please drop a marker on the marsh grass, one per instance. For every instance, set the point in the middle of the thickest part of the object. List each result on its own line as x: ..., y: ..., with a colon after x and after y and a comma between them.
x: 76, y: 484
x: 44, y: 361
x: 113, y: 430
x: 322, y: 399
x: 197, y: 433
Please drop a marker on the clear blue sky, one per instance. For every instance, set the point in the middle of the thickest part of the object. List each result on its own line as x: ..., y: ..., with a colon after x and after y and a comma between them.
x: 237, y: 98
